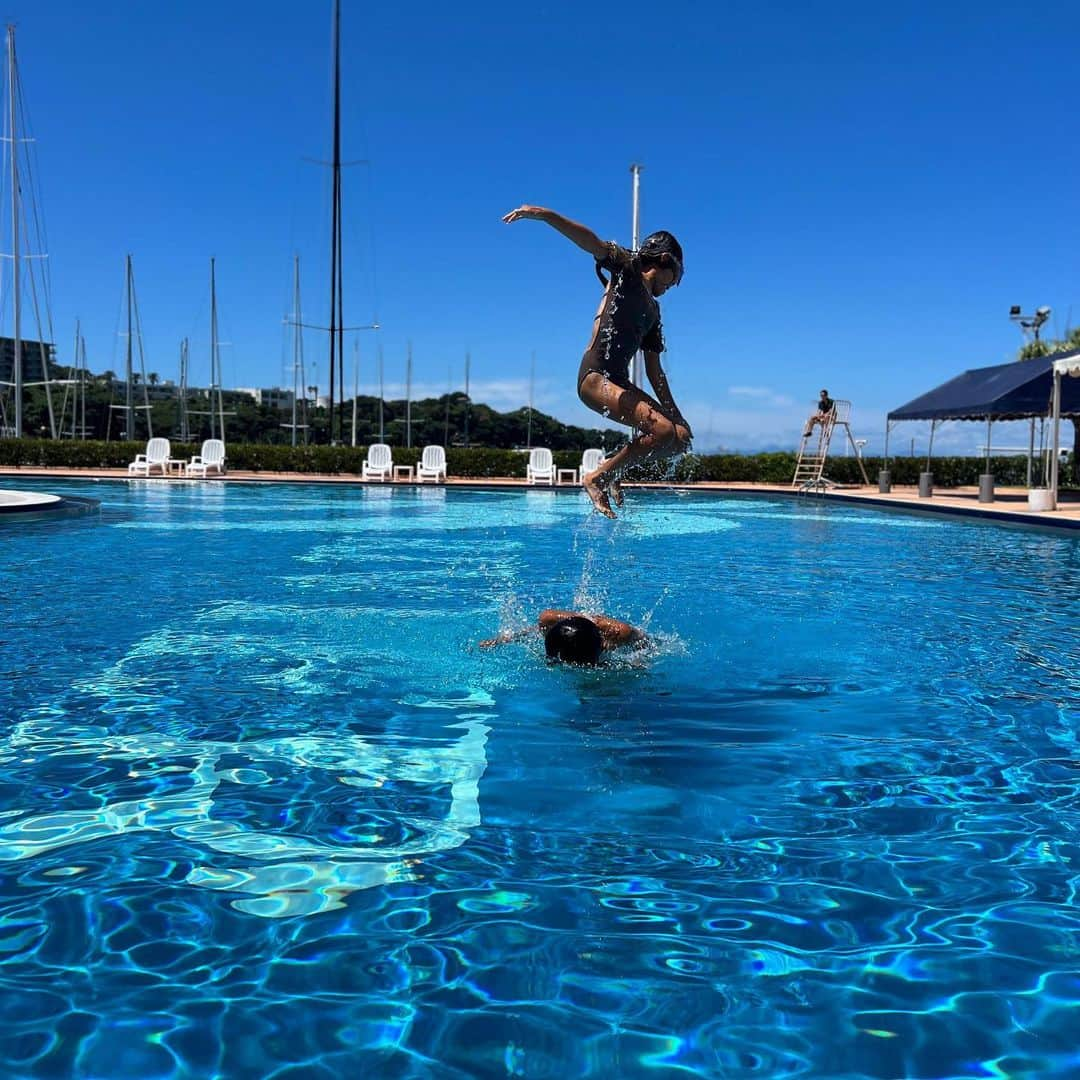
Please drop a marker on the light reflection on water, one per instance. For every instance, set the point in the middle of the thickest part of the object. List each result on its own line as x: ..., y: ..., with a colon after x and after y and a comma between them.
x: 265, y: 803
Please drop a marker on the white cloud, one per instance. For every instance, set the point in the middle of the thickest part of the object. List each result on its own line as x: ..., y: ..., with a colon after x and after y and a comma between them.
x: 763, y: 394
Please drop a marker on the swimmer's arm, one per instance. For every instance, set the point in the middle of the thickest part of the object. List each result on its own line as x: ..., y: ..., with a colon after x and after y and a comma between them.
x: 613, y: 631
x: 617, y: 633
x: 550, y: 616
x: 584, y: 237
x: 504, y: 637
x: 659, y: 383
x: 544, y: 622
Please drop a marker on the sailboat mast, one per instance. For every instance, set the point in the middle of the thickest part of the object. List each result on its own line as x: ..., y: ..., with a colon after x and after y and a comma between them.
x: 296, y: 342
x: 449, y: 394
x: 17, y: 374
x: 75, y: 397
x: 215, y: 359
x: 408, y: 397
x: 78, y: 383
x: 129, y: 405
x: 468, y: 400
x: 298, y: 345
x: 356, y: 385
x: 638, y: 363
x: 336, y: 339
x: 82, y: 406
x: 185, y: 432
x: 532, y: 387
x: 382, y: 433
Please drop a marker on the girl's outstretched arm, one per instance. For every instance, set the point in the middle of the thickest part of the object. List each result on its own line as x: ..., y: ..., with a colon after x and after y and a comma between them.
x: 659, y: 383
x: 584, y: 237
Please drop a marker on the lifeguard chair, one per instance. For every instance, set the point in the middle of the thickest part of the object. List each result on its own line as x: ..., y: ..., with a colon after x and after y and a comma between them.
x: 814, y: 450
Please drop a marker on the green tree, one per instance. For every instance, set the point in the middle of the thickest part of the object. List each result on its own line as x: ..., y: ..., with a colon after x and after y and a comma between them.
x: 1032, y: 350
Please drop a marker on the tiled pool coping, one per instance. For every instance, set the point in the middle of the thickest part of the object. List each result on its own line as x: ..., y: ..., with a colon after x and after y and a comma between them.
x: 1010, y: 505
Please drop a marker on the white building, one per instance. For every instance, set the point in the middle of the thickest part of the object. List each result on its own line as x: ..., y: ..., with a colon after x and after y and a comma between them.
x: 273, y: 397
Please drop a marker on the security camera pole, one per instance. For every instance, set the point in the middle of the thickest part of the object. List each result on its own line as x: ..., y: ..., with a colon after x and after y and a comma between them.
x: 1029, y: 324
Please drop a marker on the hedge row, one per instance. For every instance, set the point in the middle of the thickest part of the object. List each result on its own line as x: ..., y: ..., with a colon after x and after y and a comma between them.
x: 777, y: 468
x: 263, y: 457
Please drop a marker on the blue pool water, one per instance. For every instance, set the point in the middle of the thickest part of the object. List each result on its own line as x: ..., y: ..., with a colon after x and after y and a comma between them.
x: 267, y: 812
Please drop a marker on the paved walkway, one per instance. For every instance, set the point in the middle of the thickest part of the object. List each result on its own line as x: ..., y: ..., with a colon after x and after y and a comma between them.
x: 1010, y: 504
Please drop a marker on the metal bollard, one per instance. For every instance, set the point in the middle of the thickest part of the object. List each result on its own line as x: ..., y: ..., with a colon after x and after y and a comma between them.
x: 986, y: 488
x: 926, y: 485
x: 884, y: 481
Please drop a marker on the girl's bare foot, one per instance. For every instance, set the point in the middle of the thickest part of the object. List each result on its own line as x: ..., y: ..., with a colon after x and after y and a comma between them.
x: 616, y: 492
x: 597, y: 494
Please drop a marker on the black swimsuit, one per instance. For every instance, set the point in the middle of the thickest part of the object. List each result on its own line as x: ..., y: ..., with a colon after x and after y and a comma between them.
x: 629, y: 320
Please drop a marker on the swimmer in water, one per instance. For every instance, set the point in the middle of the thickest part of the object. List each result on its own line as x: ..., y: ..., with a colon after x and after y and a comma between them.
x: 573, y: 637
x: 628, y: 320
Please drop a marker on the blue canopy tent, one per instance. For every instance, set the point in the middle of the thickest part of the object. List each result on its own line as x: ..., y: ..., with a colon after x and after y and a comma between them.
x: 1021, y: 390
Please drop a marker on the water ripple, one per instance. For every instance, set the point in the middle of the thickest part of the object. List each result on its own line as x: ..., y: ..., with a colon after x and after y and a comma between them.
x: 267, y: 811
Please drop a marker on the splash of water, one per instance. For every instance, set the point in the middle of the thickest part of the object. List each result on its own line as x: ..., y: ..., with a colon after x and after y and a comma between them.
x: 647, y: 615
x: 512, y: 614
x: 656, y: 647
x: 590, y: 593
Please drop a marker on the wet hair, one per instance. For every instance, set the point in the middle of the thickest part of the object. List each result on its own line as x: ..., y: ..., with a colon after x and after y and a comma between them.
x: 663, y: 250
x: 575, y: 640
x: 825, y: 392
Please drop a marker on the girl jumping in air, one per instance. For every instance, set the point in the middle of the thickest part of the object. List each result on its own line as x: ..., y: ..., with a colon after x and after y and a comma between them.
x: 628, y: 320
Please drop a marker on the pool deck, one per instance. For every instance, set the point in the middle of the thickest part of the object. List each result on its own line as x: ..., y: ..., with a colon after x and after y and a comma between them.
x: 1010, y: 504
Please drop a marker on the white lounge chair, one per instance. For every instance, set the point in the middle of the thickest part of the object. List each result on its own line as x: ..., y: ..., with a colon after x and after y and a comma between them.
x: 211, y: 456
x: 156, y: 457
x: 590, y: 462
x: 541, y: 467
x: 432, y: 465
x: 379, y: 463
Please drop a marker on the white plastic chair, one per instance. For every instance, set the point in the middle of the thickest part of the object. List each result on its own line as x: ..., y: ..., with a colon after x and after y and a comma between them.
x: 211, y: 456
x: 432, y: 465
x: 541, y: 467
x: 157, y: 455
x: 590, y: 462
x: 379, y: 463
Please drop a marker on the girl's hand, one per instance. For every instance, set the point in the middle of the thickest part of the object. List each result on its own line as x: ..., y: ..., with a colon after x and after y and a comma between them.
x: 533, y: 213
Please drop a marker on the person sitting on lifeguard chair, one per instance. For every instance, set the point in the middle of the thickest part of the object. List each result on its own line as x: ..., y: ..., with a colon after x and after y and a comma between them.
x: 825, y: 408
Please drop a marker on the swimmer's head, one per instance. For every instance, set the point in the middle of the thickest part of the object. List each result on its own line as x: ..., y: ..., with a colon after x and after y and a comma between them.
x: 575, y: 640
x: 824, y: 393
x: 662, y: 252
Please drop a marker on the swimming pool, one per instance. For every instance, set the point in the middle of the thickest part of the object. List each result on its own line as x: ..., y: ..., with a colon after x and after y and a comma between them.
x: 268, y: 812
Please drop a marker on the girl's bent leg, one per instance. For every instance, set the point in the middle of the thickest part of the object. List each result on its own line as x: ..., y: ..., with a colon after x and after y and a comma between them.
x: 659, y: 436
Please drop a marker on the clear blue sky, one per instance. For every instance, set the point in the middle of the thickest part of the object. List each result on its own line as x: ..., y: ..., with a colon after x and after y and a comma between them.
x: 861, y: 192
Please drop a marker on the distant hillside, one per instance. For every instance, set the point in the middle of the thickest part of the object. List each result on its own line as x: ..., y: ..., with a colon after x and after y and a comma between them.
x: 434, y: 422
x: 439, y: 420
